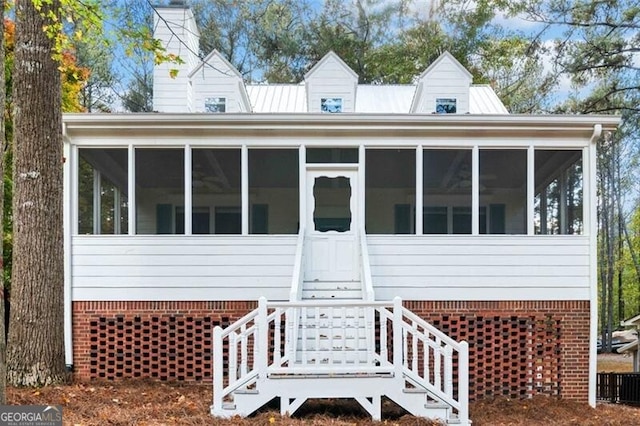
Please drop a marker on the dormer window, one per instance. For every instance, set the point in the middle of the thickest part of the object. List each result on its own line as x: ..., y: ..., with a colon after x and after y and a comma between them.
x: 215, y: 105
x: 331, y: 105
x: 446, y: 106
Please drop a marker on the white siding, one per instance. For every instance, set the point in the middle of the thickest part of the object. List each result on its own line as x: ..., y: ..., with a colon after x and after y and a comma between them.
x: 452, y: 267
x: 216, y: 79
x: 330, y: 79
x: 173, y: 267
x: 178, y: 33
x: 445, y: 79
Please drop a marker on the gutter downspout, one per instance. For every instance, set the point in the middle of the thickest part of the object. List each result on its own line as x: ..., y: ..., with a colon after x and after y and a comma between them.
x: 593, y: 230
x: 67, y: 213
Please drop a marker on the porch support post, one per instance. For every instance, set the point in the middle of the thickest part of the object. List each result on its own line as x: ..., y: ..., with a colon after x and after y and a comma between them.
x: 263, y: 335
x: 244, y: 153
x: 530, y: 189
x: 302, y: 185
x: 188, y: 193
x: 361, y: 187
x: 419, y: 189
x: 397, y: 336
x: 475, y: 190
x: 218, y: 370
x: 132, y: 190
x: 463, y: 383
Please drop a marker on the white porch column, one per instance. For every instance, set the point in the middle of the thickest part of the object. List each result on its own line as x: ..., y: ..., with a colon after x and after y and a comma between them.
x: 188, y: 193
x: 475, y: 190
x: 132, y: 190
x: 419, y: 189
x: 530, y: 190
x: 361, y: 186
x: 244, y: 167
x: 302, y: 185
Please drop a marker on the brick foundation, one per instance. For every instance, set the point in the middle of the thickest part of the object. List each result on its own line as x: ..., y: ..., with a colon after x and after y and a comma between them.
x: 517, y: 349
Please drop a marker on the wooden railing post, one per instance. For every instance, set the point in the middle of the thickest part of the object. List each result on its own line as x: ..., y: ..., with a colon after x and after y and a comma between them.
x: 218, y: 369
x: 397, y: 336
x: 463, y: 382
x: 263, y: 335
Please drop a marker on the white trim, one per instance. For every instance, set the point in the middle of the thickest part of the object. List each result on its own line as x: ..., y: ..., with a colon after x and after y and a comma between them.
x: 362, y: 187
x: 131, y: 177
x: 302, y: 185
x: 475, y: 190
x: 244, y: 167
x: 419, y: 201
x: 591, y: 201
x: 188, y: 191
x: 446, y: 55
x: 531, y: 191
x: 586, y: 191
x: 549, y: 125
x: 69, y: 174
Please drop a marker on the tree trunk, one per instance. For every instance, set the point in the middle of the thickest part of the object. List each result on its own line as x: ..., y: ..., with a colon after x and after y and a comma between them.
x: 3, y: 346
x: 35, y: 352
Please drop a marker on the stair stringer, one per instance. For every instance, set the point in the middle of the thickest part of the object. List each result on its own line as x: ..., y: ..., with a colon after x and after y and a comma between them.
x: 294, y: 390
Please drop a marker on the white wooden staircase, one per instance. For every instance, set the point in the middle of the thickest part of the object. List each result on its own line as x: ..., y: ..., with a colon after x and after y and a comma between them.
x: 333, y: 340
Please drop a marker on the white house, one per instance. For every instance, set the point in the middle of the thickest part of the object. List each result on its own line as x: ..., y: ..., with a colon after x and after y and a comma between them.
x: 410, y: 241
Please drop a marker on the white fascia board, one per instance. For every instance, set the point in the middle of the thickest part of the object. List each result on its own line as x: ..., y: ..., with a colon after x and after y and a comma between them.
x: 160, y: 122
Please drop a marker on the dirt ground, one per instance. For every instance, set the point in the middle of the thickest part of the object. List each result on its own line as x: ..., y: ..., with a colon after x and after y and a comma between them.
x: 156, y: 403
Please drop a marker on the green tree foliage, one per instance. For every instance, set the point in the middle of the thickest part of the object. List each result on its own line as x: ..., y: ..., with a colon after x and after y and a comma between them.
x: 597, y: 51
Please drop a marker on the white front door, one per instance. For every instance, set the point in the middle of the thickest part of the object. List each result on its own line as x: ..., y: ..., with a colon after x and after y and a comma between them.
x: 332, y: 224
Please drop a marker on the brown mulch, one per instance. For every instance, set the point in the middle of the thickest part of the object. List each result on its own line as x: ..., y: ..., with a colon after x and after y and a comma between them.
x: 156, y: 403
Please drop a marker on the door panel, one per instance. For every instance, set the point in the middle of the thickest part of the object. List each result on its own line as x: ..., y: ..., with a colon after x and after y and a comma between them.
x: 331, y: 240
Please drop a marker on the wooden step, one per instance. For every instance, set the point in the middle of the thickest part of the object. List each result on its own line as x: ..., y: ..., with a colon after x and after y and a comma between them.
x: 351, y: 290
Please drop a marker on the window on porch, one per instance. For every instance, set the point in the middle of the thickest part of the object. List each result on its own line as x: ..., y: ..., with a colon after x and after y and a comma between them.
x: 274, y: 197
x: 558, y: 192
x: 159, y: 181
x: 390, y: 191
x: 216, y: 188
x: 503, y: 190
x: 447, y: 185
x: 102, y: 191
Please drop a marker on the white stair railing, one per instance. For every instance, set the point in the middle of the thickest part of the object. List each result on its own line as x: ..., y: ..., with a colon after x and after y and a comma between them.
x: 426, y: 358
x: 262, y: 345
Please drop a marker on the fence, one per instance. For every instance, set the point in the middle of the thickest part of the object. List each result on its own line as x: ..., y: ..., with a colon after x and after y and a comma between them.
x: 623, y: 388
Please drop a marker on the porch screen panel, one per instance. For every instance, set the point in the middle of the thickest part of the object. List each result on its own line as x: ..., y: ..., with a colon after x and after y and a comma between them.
x: 274, y: 196
x: 390, y: 188
x: 503, y: 191
x: 103, y: 191
x: 216, y: 191
x: 447, y: 191
x: 558, y: 192
x: 159, y: 179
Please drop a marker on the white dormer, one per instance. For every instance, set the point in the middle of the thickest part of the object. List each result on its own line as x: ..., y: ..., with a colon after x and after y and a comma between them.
x: 218, y: 87
x: 176, y: 28
x: 443, y: 88
x: 331, y: 86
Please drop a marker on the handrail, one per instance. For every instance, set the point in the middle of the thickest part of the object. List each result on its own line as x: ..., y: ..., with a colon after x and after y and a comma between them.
x: 420, y: 355
x: 367, y: 281
x: 296, y: 280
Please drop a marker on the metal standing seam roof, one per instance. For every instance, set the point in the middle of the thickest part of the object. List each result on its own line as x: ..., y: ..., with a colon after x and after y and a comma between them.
x: 384, y: 99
